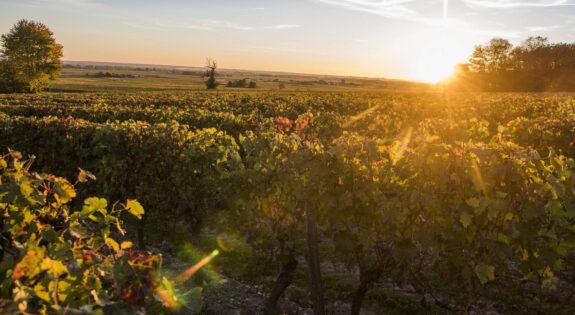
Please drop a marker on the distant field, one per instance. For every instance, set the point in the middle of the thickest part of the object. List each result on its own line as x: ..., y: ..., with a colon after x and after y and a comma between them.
x: 161, y: 79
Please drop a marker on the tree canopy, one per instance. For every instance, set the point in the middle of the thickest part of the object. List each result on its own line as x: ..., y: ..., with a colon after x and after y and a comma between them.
x: 29, y: 58
x: 533, y: 65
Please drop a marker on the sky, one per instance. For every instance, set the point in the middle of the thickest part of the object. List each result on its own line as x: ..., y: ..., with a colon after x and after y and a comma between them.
x: 401, y: 39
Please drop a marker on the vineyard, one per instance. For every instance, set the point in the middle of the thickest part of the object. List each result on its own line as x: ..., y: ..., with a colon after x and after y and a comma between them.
x: 388, y: 202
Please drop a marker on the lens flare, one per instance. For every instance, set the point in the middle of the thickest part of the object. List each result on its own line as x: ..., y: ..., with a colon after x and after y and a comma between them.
x: 478, y: 178
x: 360, y: 116
x: 401, y: 146
x: 188, y: 273
x: 201, y: 262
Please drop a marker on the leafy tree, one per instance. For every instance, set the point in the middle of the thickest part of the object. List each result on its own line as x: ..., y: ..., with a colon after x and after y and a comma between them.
x: 534, y: 65
x: 492, y: 57
x: 30, y: 58
x: 210, y: 74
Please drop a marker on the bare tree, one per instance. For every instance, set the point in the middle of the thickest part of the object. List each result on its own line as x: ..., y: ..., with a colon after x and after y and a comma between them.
x: 210, y: 74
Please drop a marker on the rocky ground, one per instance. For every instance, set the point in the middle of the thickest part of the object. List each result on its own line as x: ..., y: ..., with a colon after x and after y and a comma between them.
x: 232, y: 297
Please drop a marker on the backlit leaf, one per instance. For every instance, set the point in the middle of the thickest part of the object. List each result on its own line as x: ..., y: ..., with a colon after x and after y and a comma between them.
x: 135, y: 208
x: 84, y: 176
x: 64, y: 190
x: 92, y: 205
x: 485, y: 273
x: 466, y: 219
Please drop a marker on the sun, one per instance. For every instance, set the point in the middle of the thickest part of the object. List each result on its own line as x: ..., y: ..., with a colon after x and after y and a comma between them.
x: 436, y: 72
x: 434, y: 66
x: 437, y: 57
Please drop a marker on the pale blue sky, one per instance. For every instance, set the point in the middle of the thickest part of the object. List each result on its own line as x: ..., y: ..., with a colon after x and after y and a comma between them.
x: 413, y: 39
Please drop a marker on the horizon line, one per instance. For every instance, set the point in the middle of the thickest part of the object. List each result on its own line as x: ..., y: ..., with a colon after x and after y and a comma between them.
x: 245, y: 70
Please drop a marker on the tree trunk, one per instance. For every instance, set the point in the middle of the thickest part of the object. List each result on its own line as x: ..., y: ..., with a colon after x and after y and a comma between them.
x: 282, y: 282
x: 358, y: 297
x: 195, y: 221
x: 367, y: 276
x: 314, y: 263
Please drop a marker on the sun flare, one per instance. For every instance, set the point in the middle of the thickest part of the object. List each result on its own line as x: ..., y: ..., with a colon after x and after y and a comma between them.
x: 433, y: 66
x: 438, y: 57
x: 436, y: 72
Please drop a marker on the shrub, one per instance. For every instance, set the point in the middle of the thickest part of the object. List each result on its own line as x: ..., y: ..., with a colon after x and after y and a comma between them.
x: 54, y: 258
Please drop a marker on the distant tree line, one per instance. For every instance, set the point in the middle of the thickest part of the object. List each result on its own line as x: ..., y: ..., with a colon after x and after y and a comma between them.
x: 112, y: 75
x: 243, y: 83
x: 534, y: 65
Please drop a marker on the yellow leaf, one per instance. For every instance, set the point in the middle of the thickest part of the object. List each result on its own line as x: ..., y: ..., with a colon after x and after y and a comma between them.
x: 113, y: 244
x: 64, y: 190
x: 84, y: 176
x: 41, y: 292
x: 55, y: 267
x: 29, y: 266
x: 135, y: 208
x: 93, y: 204
x: 126, y: 245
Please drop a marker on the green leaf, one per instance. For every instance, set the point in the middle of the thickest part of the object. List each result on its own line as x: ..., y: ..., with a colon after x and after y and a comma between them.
x: 485, y: 273
x: 30, y: 193
x: 473, y: 202
x: 501, y: 195
x: 79, y: 231
x: 26, y: 190
x: 63, y: 190
x: 466, y: 219
x: 92, y: 205
x: 135, y: 208
x: 503, y: 239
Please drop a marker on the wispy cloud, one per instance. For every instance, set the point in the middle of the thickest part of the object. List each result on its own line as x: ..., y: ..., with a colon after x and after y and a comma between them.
x: 253, y: 9
x: 205, y: 25
x: 282, y: 26
x: 286, y: 48
x: 544, y: 28
x: 67, y: 3
x: 508, y: 4
x: 150, y: 27
x: 385, y: 8
x: 518, y: 33
x: 417, y: 11
x: 408, y: 10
